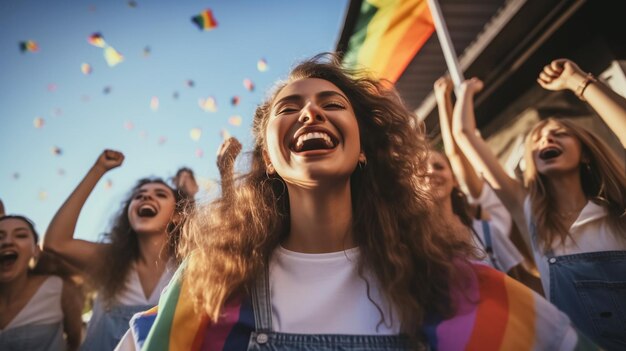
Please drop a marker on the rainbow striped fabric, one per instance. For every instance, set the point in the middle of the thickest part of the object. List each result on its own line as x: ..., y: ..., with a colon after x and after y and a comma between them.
x: 387, y: 35
x: 205, y: 20
x: 494, y: 312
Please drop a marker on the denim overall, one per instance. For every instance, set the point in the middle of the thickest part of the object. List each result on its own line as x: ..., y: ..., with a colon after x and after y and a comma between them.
x: 591, y: 289
x: 39, y: 337
x: 263, y: 338
x: 107, y: 329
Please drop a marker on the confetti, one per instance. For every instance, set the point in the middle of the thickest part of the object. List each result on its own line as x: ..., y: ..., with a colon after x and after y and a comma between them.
x: 190, y: 83
x: 235, y: 100
x: 143, y: 134
x: 38, y: 122
x: 195, y: 134
x: 61, y: 172
x: 224, y: 134
x: 262, y: 65
x: 57, y: 111
x: 147, y: 51
x: 56, y: 151
x: 52, y: 87
x: 199, y: 153
x: 86, y: 68
x: 16, y: 176
x: 175, y: 95
x: 106, y: 90
x: 205, y: 20
x: 247, y: 83
x: 132, y: 4
x: 96, y: 39
x: 43, y: 195
x: 235, y: 121
x: 112, y: 56
x: 108, y: 184
x: 154, y: 103
x: 28, y: 46
x: 162, y: 140
x: 208, y: 104
x: 128, y: 125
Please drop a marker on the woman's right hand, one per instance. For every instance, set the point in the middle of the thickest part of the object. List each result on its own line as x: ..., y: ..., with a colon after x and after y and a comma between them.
x: 109, y: 159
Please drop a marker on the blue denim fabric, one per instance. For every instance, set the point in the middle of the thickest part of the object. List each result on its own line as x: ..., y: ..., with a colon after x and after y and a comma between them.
x: 591, y: 289
x: 263, y: 338
x: 105, y: 332
x: 42, y: 337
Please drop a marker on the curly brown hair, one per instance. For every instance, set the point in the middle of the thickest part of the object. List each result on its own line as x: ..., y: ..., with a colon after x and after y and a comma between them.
x: 123, y: 250
x: 400, y: 233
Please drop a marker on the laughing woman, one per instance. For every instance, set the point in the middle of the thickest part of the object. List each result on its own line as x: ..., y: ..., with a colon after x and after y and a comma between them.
x: 35, y: 309
x: 572, y: 201
x: 135, y: 262
x: 331, y: 241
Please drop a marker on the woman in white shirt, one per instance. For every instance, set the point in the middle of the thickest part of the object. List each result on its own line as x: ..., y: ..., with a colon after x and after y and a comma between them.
x: 572, y: 202
x: 35, y: 310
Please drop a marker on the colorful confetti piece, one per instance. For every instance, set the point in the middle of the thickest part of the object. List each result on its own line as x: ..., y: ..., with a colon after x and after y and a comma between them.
x: 107, y: 90
x: 16, y: 176
x: 112, y: 56
x: 162, y: 140
x: 262, y: 65
x: 199, y: 153
x: 128, y: 125
x: 56, y: 151
x: 147, y: 51
x: 235, y: 121
x: 195, y: 134
x: 61, y: 172
x: 208, y: 104
x: 28, y: 46
x: 38, y: 122
x: 96, y: 39
x: 190, y: 83
x: 154, y: 103
x: 205, y: 20
x: 247, y: 83
x: 86, y: 68
x: 108, y: 184
x: 235, y: 100
x: 132, y: 4
x: 52, y: 87
x: 43, y: 195
x: 175, y: 95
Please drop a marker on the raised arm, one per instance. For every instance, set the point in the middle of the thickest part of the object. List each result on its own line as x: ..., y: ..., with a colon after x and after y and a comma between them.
x: 226, y: 155
x: 463, y: 170
x: 509, y: 190
x: 564, y: 74
x: 59, y: 237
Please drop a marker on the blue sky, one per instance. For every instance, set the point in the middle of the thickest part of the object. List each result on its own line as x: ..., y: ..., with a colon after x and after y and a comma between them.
x: 81, y: 120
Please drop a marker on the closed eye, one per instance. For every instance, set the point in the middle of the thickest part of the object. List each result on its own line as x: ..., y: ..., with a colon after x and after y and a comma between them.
x: 334, y: 106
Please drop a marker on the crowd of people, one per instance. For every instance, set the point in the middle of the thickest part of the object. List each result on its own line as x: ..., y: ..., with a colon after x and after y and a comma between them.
x: 349, y: 230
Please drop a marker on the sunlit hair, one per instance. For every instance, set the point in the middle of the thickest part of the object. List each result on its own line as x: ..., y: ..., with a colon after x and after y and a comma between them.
x: 124, y: 248
x: 602, y: 177
x: 402, y: 239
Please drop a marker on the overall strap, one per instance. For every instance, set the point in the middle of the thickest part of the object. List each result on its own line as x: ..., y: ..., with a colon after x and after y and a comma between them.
x: 261, y: 302
x: 487, y: 243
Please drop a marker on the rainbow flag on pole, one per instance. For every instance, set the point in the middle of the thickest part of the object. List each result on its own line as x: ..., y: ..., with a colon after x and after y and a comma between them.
x: 387, y: 35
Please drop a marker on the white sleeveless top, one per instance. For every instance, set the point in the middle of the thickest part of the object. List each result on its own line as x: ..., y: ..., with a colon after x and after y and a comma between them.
x: 44, y: 307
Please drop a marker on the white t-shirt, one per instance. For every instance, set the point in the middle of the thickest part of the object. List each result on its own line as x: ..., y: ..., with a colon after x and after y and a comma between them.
x: 44, y: 307
x: 296, y: 280
x: 589, y: 233
x: 506, y: 254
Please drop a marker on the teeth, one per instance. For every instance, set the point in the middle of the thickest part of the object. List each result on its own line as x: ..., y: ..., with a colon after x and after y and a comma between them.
x: 313, y: 135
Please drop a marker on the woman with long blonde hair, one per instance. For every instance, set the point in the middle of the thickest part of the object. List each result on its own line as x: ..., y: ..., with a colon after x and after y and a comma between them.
x: 331, y: 241
x: 572, y: 202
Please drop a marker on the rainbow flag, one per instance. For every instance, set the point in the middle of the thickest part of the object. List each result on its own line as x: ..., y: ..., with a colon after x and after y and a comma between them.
x: 28, y: 46
x: 205, y: 20
x: 494, y: 312
x: 387, y: 35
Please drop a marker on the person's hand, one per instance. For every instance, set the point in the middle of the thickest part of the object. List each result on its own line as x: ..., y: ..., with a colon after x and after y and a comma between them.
x: 109, y: 159
x: 227, y: 153
x: 561, y: 74
x: 472, y: 85
x: 443, y: 87
x: 186, y: 182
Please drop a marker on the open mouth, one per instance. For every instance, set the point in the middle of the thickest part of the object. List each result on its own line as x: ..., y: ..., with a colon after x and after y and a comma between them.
x: 8, y: 258
x: 549, y: 153
x: 313, y: 141
x: 147, y: 211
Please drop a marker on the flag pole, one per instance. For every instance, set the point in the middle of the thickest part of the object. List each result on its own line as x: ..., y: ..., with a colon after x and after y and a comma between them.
x: 446, y: 44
